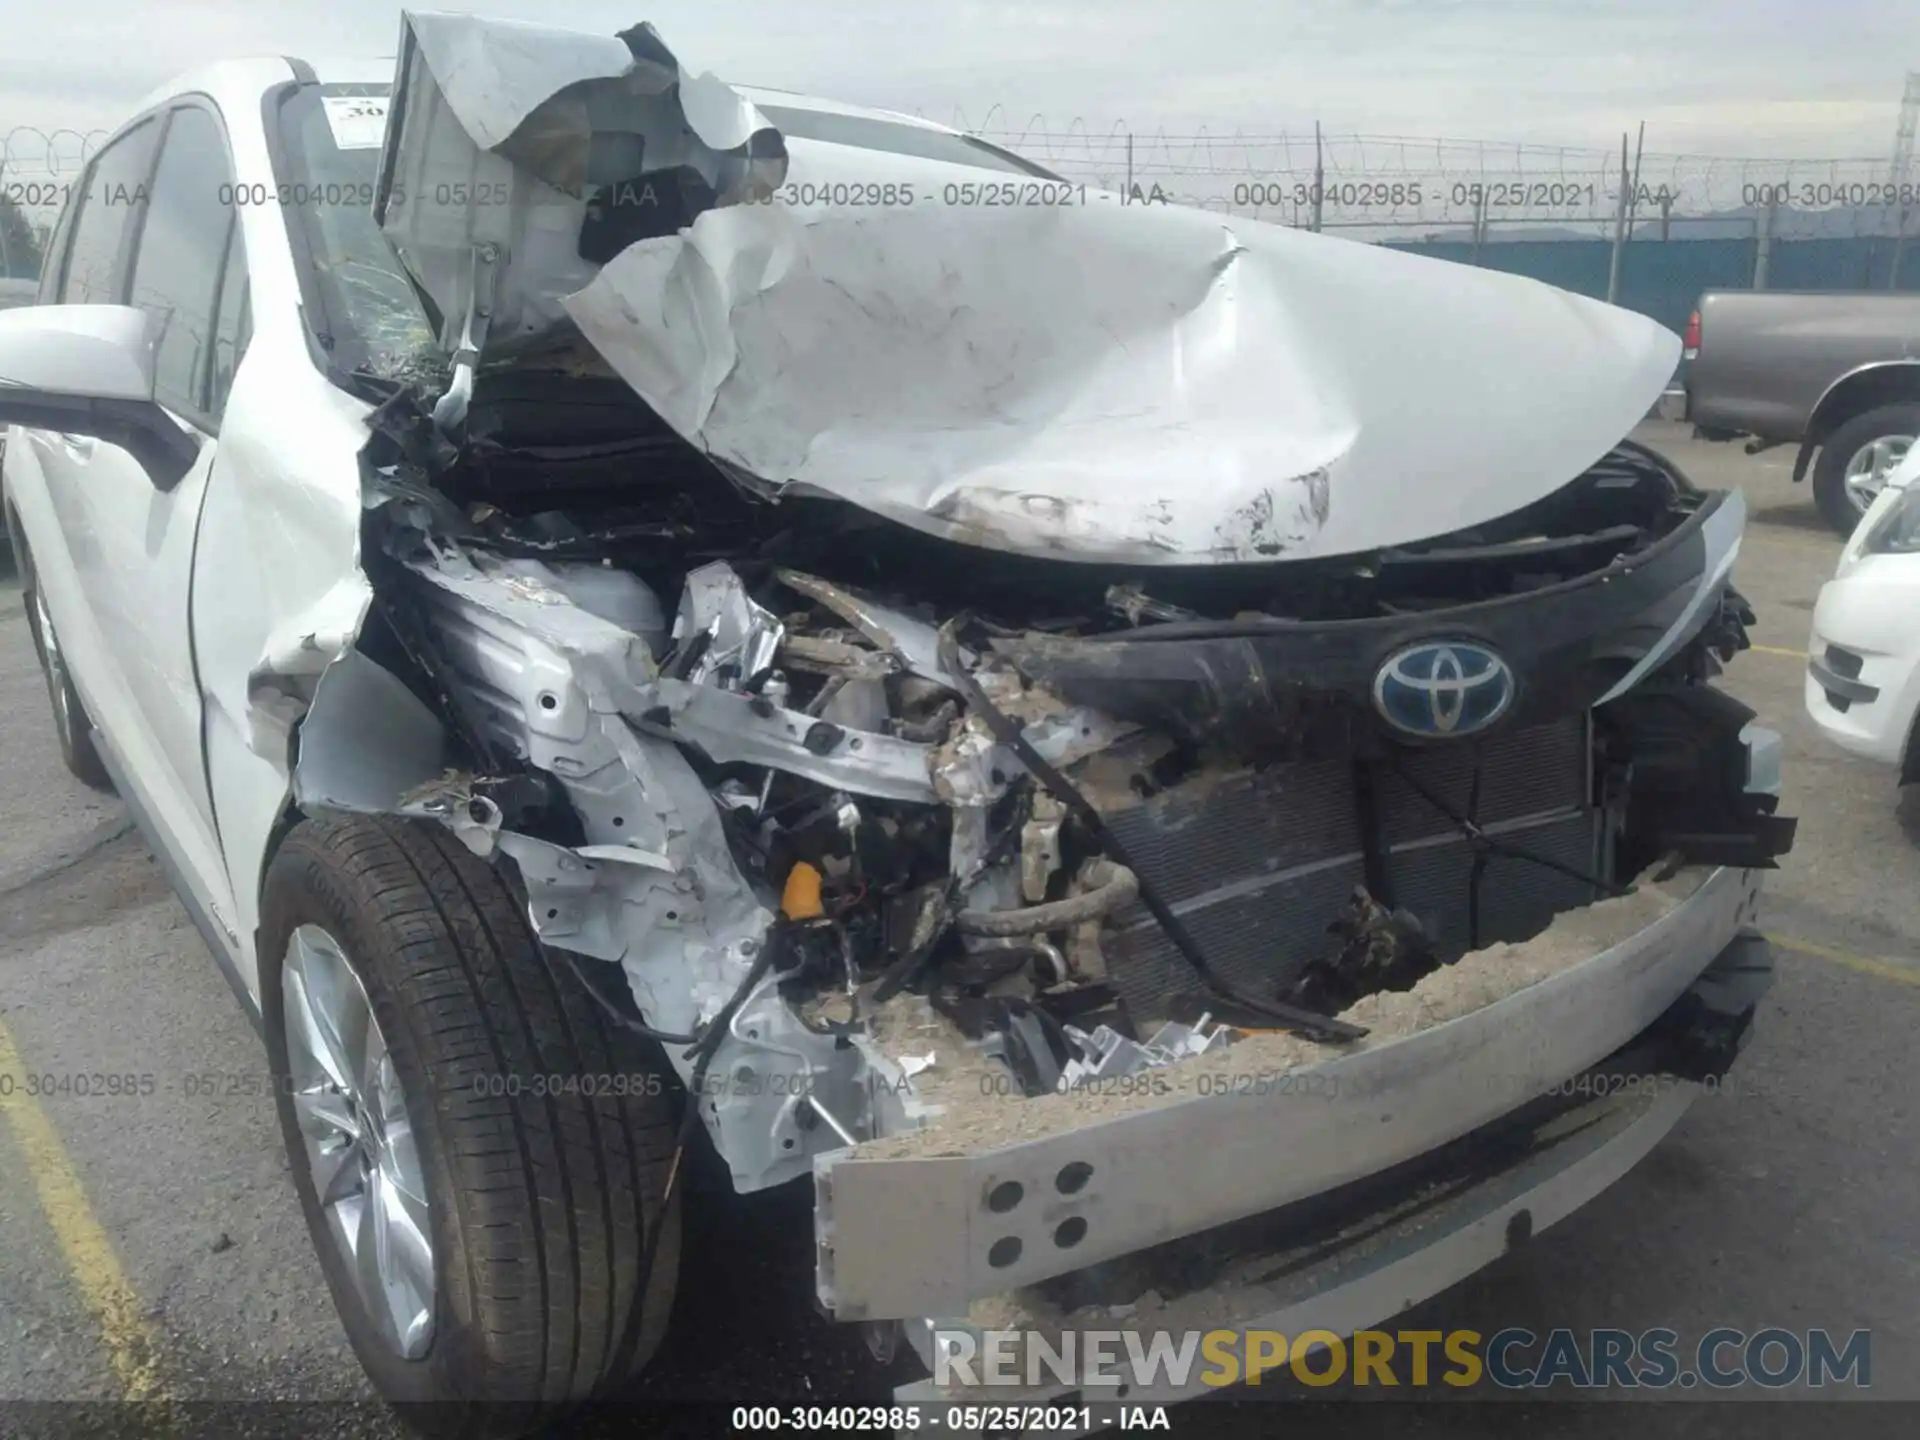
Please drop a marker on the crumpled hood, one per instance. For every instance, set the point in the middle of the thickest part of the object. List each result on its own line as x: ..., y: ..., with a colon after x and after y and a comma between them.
x: 1094, y: 380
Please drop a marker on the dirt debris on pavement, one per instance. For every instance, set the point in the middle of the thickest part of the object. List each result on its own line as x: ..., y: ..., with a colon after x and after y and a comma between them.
x: 982, y: 1116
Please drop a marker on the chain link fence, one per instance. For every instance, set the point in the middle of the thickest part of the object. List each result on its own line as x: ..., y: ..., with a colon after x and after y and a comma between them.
x: 1648, y: 230
x: 1576, y: 217
x: 1404, y: 187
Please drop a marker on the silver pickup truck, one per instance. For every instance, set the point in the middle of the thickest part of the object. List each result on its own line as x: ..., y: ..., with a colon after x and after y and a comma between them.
x: 1837, y: 372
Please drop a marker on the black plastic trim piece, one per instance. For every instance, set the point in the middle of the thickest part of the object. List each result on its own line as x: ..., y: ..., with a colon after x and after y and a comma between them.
x: 1688, y: 777
x: 1251, y: 680
x: 1844, y: 663
x: 1836, y: 684
x: 193, y: 412
x: 140, y: 427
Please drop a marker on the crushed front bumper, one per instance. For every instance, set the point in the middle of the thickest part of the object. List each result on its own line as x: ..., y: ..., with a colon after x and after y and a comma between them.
x: 978, y: 1205
x: 1354, y: 1257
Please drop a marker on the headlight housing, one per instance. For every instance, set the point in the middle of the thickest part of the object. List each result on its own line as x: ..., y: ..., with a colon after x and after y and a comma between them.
x: 1897, y: 532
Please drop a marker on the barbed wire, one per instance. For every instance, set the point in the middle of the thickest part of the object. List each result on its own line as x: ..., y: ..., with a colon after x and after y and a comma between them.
x: 38, y: 169
x: 1398, y: 183
x: 1404, y: 182
x: 49, y: 151
x: 1370, y: 185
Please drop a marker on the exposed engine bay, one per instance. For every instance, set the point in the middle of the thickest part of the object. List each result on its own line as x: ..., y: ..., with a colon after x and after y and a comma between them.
x: 890, y: 742
x: 847, y: 816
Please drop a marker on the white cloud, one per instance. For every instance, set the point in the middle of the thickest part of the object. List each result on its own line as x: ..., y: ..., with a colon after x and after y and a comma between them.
x: 1726, y: 76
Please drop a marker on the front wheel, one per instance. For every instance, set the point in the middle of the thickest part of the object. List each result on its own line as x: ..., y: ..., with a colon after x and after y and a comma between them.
x: 1856, y: 459
x: 477, y: 1150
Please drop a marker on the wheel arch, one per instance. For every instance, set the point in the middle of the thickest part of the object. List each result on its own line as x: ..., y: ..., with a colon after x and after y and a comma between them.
x: 290, y: 816
x: 1879, y: 382
x: 1867, y: 387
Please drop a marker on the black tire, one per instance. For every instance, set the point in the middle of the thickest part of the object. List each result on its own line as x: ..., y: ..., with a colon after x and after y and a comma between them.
x: 72, y: 726
x: 539, y: 1197
x: 1830, y: 470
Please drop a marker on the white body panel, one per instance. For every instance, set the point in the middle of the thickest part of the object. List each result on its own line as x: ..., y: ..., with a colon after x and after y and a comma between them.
x: 91, y: 353
x: 160, y: 643
x: 1136, y: 383
x: 1871, y: 608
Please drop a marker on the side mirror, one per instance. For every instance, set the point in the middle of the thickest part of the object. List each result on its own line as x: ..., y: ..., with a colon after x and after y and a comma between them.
x: 88, y: 370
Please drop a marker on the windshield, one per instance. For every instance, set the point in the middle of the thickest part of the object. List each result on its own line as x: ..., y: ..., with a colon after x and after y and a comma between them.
x: 371, y: 316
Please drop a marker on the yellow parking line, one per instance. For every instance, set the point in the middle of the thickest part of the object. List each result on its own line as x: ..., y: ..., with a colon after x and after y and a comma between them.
x: 84, y: 1245
x: 1779, y: 650
x: 1899, y: 974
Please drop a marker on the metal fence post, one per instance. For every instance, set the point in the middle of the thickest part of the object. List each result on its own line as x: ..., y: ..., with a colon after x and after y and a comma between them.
x: 6, y: 250
x: 1319, y: 178
x: 1763, y: 245
x: 1619, y: 225
x: 1633, y: 190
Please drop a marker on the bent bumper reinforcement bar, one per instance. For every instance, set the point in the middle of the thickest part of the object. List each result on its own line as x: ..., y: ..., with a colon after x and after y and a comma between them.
x: 1368, y: 1252
x: 905, y: 1236
x: 1404, y: 1264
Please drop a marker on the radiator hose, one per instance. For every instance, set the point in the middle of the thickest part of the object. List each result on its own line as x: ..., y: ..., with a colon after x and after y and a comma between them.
x: 1117, y: 889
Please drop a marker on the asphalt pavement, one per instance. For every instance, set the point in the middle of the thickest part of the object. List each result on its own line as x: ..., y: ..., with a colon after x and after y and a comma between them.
x: 151, y: 1246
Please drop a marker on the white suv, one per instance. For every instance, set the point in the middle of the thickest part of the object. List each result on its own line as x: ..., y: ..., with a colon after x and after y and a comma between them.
x: 648, y: 621
x: 1863, y: 667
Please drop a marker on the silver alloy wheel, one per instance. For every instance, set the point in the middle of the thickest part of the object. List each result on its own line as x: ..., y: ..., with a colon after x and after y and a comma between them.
x: 1866, y: 473
x: 56, y: 663
x: 360, y: 1144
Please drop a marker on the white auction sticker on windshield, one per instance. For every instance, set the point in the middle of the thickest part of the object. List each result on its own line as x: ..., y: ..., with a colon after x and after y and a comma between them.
x: 358, y: 122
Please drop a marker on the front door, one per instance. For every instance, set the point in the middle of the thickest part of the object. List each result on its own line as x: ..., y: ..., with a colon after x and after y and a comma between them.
x: 132, y: 542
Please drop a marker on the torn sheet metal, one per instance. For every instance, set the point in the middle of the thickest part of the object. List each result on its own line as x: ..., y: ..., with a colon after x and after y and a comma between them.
x: 1109, y: 1054
x: 284, y: 679
x: 914, y: 643
x: 741, y: 637
x: 1085, y: 378
x: 556, y: 149
x: 737, y: 728
x: 368, y: 743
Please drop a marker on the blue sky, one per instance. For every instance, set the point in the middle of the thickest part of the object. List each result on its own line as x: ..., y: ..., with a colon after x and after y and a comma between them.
x: 1728, y: 77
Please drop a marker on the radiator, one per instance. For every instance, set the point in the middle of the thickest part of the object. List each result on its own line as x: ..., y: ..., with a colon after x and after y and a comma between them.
x: 1258, y: 862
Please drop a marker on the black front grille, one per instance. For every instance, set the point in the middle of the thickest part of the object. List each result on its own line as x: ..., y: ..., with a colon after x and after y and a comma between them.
x: 1257, y: 863
x: 1844, y: 663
